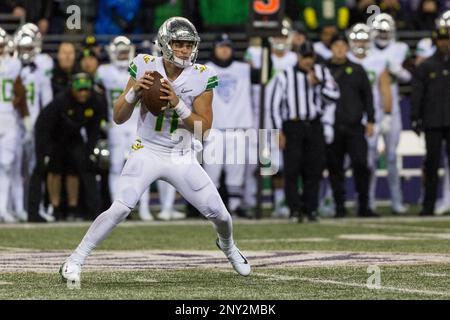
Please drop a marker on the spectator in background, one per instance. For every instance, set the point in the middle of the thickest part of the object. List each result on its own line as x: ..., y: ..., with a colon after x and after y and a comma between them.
x: 37, y: 12
x: 299, y: 37
x: 64, y: 68
x: 224, y: 16
x: 89, y: 61
x: 325, y: 12
x: 425, y: 17
x: 394, y: 8
x: 359, y: 14
x: 117, y: 17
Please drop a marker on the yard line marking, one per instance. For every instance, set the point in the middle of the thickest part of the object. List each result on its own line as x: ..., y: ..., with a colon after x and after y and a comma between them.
x: 351, y: 284
x: 268, y: 240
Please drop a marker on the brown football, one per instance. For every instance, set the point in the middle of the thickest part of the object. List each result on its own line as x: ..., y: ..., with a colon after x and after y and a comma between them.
x: 150, y: 97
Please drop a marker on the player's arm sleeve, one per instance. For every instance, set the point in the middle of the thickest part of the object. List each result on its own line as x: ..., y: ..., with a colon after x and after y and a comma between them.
x: 367, y: 96
x: 330, y: 89
x: 46, y: 91
x: 275, y: 97
x: 133, y: 68
x: 418, y: 93
x: 212, y: 79
x: 328, y: 114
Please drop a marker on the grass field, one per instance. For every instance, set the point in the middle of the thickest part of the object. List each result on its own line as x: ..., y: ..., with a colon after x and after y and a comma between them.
x: 168, y: 260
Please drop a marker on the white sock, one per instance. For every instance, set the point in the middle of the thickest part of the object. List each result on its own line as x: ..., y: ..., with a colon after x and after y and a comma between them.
x: 278, y: 196
x: 144, y: 201
x: 166, y: 195
x: 17, y: 194
x: 4, y: 190
x: 99, y: 230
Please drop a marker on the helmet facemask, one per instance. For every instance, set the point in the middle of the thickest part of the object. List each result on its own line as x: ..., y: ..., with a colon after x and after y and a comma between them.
x: 383, y: 30
x: 28, y: 43
x: 359, y: 39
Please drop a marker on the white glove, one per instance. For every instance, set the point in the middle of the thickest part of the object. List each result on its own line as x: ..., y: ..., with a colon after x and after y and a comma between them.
x: 386, y: 123
x: 197, y: 145
x: 28, y: 125
x: 328, y: 132
x: 401, y: 73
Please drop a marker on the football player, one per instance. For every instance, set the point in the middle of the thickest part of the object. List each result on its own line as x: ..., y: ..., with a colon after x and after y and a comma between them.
x: 36, y: 79
x: 377, y: 70
x: 163, y: 149
x: 383, y: 31
x: 9, y: 128
x: 113, y: 77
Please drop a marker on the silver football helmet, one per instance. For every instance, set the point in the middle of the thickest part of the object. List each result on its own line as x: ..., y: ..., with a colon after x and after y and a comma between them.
x: 121, y: 51
x: 177, y: 28
x: 383, y: 29
x: 3, y: 42
x: 359, y: 38
x: 27, y: 42
x: 444, y: 20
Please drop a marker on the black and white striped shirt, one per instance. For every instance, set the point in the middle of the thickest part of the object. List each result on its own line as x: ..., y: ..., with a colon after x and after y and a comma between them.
x: 292, y: 97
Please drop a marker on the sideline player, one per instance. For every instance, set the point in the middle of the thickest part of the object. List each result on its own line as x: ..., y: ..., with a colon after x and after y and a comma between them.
x: 157, y: 152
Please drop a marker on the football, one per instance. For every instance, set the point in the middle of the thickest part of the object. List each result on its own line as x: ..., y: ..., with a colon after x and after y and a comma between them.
x: 150, y: 97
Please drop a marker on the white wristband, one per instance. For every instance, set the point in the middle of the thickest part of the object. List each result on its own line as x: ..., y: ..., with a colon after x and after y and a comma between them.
x: 182, y: 110
x: 131, y: 96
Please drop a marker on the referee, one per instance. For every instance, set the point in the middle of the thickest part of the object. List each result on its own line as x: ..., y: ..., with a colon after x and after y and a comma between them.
x: 302, y: 104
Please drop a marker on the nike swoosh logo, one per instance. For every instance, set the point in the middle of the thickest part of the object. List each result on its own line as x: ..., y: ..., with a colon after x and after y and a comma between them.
x: 186, y: 91
x: 245, y: 260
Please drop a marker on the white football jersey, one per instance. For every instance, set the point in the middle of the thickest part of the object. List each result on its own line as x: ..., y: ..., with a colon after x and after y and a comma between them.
x: 9, y: 70
x: 394, y: 53
x: 191, y: 83
x: 232, y: 104
x: 115, y: 80
x: 39, y: 89
x: 374, y: 66
x: 45, y: 63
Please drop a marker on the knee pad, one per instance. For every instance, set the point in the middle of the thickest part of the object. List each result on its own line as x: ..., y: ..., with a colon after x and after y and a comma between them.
x: 118, y: 212
x: 215, y: 209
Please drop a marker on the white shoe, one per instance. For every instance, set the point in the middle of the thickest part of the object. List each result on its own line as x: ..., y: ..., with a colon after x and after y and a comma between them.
x: 443, y: 208
x: 145, y: 215
x: 47, y: 215
x: 6, y: 217
x: 165, y: 215
x: 281, y: 212
x: 401, y: 209
x: 70, y: 271
x: 177, y: 215
x: 21, y: 216
x: 237, y: 260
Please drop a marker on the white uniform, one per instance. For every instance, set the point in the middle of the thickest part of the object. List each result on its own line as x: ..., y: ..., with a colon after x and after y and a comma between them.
x: 232, y: 109
x: 374, y: 65
x: 45, y: 63
x: 39, y: 95
x: 9, y: 71
x: 395, y: 54
x: 163, y: 150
